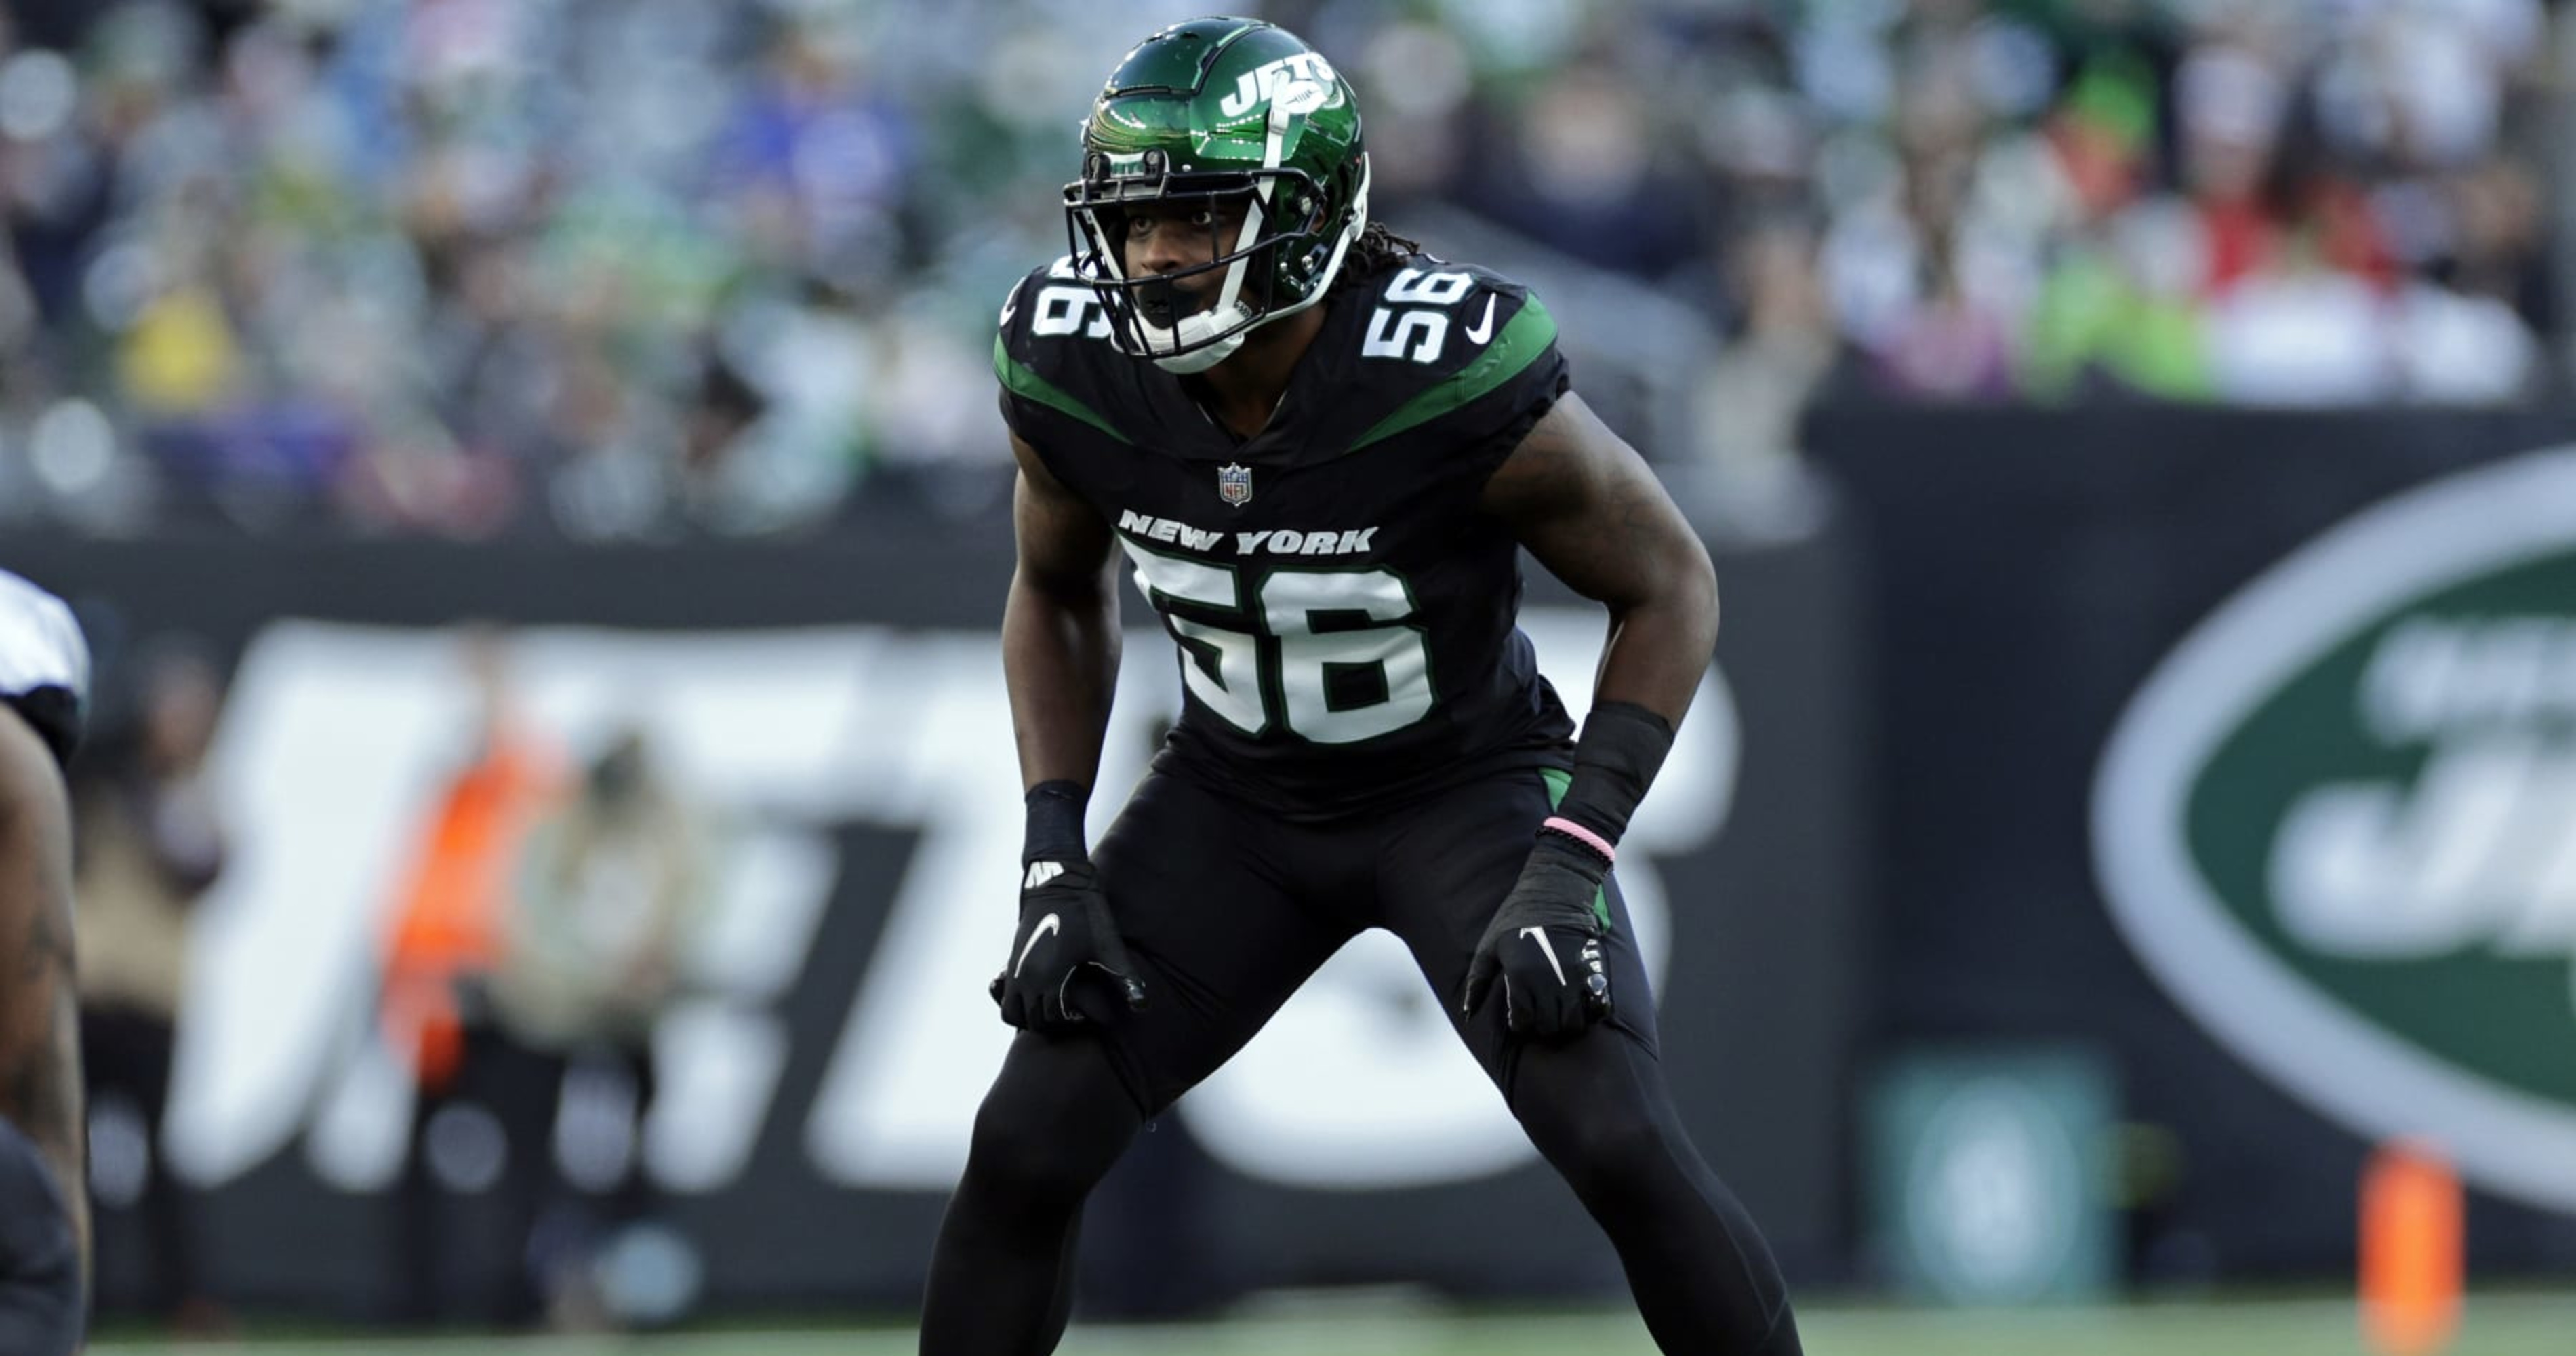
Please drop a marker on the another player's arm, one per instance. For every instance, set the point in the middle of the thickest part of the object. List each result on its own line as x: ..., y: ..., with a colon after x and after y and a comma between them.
x: 1589, y: 509
x: 40, y: 1086
x: 1059, y: 628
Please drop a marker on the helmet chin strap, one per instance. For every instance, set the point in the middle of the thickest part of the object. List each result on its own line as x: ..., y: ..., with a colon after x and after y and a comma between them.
x: 1201, y: 359
x: 1159, y: 340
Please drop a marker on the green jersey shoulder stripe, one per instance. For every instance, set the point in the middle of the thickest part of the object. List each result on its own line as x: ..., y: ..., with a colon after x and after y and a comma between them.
x: 1510, y: 353
x: 1028, y: 385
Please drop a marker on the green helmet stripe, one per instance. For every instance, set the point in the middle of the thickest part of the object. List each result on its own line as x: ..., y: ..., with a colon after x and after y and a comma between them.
x: 1028, y: 385
x: 1510, y: 353
x: 1283, y: 131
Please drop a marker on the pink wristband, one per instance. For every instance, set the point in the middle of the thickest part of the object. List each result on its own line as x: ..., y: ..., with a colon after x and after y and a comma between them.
x: 1580, y: 834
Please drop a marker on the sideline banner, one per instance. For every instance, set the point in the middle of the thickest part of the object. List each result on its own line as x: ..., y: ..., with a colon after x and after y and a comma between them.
x: 2240, y: 746
x: 836, y: 714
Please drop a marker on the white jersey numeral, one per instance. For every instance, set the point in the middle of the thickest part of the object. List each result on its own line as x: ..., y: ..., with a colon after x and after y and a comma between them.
x: 1069, y: 310
x: 1414, y: 334
x: 1223, y: 666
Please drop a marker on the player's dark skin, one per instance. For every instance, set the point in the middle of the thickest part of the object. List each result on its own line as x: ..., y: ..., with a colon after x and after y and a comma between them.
x: 40, y: 1087
x: 1577, y: 496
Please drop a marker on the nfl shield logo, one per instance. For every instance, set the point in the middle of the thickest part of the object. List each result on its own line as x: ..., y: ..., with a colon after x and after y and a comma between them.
x: 1234, y: 485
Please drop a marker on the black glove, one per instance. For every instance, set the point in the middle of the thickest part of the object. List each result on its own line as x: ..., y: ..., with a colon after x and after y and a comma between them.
x: 1545, y: 945
x: 1068, y: 965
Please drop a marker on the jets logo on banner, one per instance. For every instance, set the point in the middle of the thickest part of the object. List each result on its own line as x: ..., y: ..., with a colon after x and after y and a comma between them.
x: 2335, y: 822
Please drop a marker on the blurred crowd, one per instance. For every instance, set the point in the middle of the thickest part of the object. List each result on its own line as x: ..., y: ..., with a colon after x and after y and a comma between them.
x: 636, y: 269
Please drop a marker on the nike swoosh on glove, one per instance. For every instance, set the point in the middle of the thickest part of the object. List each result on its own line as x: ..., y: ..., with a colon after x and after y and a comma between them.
x: 1067, y: 964
x: 1544, y: 945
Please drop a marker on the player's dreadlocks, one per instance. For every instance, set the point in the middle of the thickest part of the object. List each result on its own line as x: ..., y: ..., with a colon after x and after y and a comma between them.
x: 1377, y: 250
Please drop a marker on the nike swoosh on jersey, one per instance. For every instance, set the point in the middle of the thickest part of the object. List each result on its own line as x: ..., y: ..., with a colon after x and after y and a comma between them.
x: 1048, y: 924
x: 1481, y: 331
x: 1009, y: 310
x: 1546, y: 948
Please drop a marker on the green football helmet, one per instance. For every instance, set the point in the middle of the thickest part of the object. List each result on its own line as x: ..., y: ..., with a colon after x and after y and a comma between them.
x: 1198, y: 114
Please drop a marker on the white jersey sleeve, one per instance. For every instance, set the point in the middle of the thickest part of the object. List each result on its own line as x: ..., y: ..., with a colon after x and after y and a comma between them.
x: 44, y: 662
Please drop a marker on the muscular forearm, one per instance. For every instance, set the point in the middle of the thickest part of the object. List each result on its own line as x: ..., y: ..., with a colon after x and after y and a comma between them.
x: 1587, y: 506
x: 1659, y: 647
x: 1060, y: 663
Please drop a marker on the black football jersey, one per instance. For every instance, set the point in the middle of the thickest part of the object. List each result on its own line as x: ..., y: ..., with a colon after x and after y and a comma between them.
x: 1344, y: 610
x: 44, y: 663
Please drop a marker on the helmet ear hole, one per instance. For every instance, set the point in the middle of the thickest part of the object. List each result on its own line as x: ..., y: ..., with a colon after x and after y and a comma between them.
x: 1310, y: 210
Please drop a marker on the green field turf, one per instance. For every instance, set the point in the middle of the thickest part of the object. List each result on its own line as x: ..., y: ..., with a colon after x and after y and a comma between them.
x: 2497, y: 1325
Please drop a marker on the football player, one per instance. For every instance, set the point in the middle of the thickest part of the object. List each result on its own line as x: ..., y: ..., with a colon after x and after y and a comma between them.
x: 1320, y: 450
x: 44, y: 1214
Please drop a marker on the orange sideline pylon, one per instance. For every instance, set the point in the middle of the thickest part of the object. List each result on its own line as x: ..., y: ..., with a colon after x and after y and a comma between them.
x: 2413, y: 1236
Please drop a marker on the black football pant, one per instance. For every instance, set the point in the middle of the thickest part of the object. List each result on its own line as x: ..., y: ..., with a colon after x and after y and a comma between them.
x: 40, y: 1283
x: 1228, y: 910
